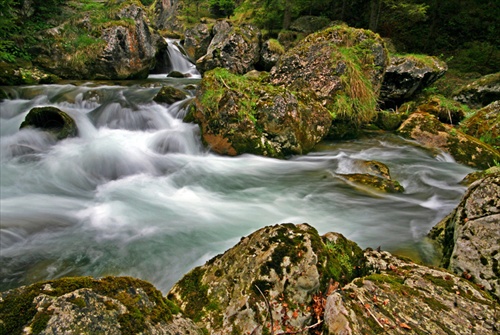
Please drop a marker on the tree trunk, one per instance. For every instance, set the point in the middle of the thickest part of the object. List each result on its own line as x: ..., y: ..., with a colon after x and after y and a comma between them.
x: 374, y: 14
x: 287, y: 15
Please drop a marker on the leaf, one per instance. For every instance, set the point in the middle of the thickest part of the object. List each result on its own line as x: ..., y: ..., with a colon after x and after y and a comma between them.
x: 404, y: 326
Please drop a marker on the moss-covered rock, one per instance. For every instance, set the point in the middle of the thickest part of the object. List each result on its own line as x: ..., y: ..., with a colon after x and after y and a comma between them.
x: 235, y: 48
x: 470, y: 235
x: 485, y: 124
x: 480, y: 92
x: 238, y: 115
x: 401, y: 297
x: 309, y: 24
x: 381, y: 184
x: 426, y: 129
x: 197, y: 40
x: 446, y: 110
x: 268, y: 281
x: 169, y: 95
x: 407, y: 75
x: 83, y: 305
x: 389, y: 119
x: 53, y: 120
x: 24, y: 73
x: 342, y: 67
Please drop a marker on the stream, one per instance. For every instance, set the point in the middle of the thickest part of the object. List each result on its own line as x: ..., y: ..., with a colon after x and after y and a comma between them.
x: 137, y: 194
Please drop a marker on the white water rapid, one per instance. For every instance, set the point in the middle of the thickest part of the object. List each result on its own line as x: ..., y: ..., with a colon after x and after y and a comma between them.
x: 176, y: 60
x: 137, y: 194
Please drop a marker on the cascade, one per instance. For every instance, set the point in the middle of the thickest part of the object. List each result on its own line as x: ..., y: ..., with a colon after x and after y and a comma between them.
x: 136, y: 193
x: 174, y: 58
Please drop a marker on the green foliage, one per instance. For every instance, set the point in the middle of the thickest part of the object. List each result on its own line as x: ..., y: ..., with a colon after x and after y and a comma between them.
x: 222, y: 8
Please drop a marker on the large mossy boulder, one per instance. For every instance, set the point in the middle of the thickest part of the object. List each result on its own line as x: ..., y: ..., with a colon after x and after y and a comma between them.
x: 82, y: 305
x: 426, y: 129
x: 169, y: 95
x: 401, y: 297
x: 51, y: 119
x: 480, y: 92
x: 485, y: 124
x: 470, y: 235
x: 112, y: 42
x: 268, y: 282
x: 342, y: 67
x: 236, y: 48
x: 406, y: 75
x: 239, y: 115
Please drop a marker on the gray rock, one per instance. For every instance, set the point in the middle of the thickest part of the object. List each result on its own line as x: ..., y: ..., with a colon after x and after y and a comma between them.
x: 234, y: 48
x: 270, y: 53
x: 481, y: 92
x: 53, y: 120
x: 470, y: 235
x: 407, y: 75
x: 197, y: 40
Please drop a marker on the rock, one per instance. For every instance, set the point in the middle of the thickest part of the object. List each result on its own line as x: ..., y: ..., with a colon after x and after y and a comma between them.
x: 169, y: 95
x: 446, y: 110
x: 389, y: 120
x: 401, y: 297
x: 476, y: 175
x: 310, y: 24
x: 239, y: 115
x: 270, y: 53
x: 52, y: 120
x: 470, y: 235
x: 485, y: 124
x: 235, y: 48
x: 176, y: 74
x: 111, y: 305
x: 166, y: 13
x: 121, y: 48
x: 197, y: 40
x: 277, y: 269
x: 372, y: 174
x: 428, y: 131
x: 341, y: 67
x: 24, y: 73
x: 481, y: 92
x: 407, y: 75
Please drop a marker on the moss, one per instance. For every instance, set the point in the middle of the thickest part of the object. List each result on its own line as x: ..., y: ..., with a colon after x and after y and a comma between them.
x: 194, y: 293
x: 40, y: 322
x: 276, y: 47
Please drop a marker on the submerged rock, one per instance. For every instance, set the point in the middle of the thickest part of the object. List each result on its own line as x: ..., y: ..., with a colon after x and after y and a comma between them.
x: 82, y: 305
x: 428, y: 131
x: 52, y: 120
x: 481, y: 92
x: 373, y: 174
x: 470, y: 235
x: 407, y: 75
x: 235, y: 48
x: 169, y: 95
x: 239, y: 115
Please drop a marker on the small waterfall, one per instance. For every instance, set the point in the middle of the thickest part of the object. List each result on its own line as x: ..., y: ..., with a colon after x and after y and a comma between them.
x: 174, y: 59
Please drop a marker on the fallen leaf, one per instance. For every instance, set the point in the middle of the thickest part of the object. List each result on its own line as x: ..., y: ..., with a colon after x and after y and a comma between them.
x: 404, y: 326
x: 386, y: 301
x: 375, y: 299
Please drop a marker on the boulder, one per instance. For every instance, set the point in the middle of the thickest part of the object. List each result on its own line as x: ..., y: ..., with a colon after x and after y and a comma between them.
x: 341, y: 67
x: 239, y: 115
x: 169, y: 95
x: 446, y: 110
x: 470, y: 235
x: 82, y: 305
x: 485, y: 124
x: 51, y: 119
x: 197, y: 40
x: 309, y: 24
x: 166, y: 15
x: 235, y: 48
x: 480, y: 92
x: 401, y: 297
x: 268, y: 281
x: 373, y: 174
x: 389, y: 120
x: 121, y: 48
x: 408, y: 74
x: 426, y: 129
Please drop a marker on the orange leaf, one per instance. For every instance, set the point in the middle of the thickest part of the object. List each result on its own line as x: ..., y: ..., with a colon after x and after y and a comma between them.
x: 404, y: 326
x: 386, y: 301
x: 295, y: 314
x: 375, y: 299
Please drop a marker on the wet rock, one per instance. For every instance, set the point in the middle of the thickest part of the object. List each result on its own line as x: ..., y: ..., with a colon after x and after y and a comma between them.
x: 112, y: 305
x: 169, y: 95
x: 275, y: 270
x: 389, y: 119
x: 401, y: 297
x: 446, y: 110
x: 470, y: 235
x: 197, y: 40
x: 235, y: 48
x: 428, y: 131
x: 341, y: 67
x: 481, y: 92
x: 238, y: 115
x: 52, y: 120
x: 485, y: 124
x: 407, y: 75
x: 381, y: 184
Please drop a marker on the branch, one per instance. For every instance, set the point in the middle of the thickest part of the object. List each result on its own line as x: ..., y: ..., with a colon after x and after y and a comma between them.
x: 263, y: 296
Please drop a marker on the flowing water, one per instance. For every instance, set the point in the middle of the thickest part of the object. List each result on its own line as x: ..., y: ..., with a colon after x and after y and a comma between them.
x: 137, y: 194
